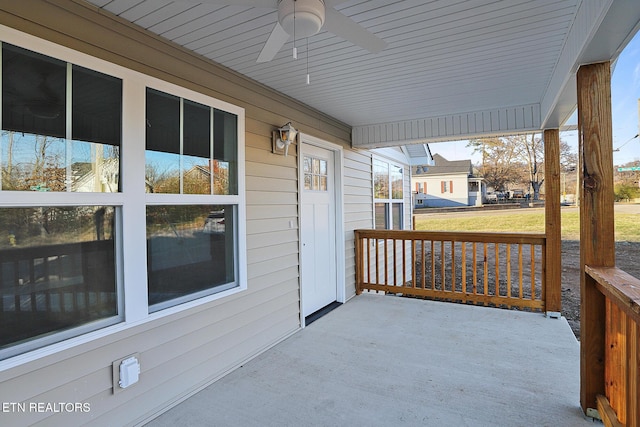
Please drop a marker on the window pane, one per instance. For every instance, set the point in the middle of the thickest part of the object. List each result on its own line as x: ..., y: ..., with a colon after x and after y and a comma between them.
x: 33, y: 92
x: 197, y: 149
x: 381, y: 180
x: 162, y: 168
x: 96, y: 107
x: 33, y: 162
x: 397, y: 216
x: 190, y: 252
x: 57, y: 269
x: 396, y: 182
x: 96, y: 131
x: 381, y: 216
x: 33, y: 121
x: 225, y: 153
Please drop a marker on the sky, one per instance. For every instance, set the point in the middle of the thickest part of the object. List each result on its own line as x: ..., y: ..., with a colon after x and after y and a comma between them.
x: 625, y: 92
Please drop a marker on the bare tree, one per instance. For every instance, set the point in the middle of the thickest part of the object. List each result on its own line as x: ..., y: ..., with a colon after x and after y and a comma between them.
x: 498, y: 161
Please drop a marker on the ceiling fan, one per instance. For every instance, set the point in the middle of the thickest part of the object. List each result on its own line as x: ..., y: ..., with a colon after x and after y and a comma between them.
x: 310, y: 16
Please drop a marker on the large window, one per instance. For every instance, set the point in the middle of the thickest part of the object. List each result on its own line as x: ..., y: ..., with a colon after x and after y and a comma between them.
x: 120, y: 195
x: 61, y: 133
x: 388, y: 181
x: 191, y: 148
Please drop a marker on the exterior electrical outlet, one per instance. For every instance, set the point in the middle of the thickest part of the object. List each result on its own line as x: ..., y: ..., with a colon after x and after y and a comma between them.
x: 129, y: 372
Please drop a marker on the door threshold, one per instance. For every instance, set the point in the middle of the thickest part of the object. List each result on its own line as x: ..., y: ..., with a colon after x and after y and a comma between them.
x: 318, y: 314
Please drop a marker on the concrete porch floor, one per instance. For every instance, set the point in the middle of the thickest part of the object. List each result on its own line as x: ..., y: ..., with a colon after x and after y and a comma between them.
x: 388, y: 361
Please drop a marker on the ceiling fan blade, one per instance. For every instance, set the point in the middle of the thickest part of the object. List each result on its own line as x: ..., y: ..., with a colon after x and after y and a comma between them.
x: 348, y: 29
x: 265, y: 4
x: 274, y: 43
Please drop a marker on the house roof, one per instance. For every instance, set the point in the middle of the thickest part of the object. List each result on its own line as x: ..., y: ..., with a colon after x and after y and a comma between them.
x: 443, y: 166
x: 449, y: 69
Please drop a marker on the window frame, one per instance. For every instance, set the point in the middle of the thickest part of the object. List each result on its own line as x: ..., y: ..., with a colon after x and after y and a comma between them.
x: 389, y: 201
x: 174, y: 199
x: 130, y: 204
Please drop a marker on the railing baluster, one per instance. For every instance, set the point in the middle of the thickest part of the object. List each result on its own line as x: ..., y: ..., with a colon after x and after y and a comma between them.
x: 424, y: 267
x: 453, y: 266
x: 497, y: 261
x: 509, y: 274
x: 395, y: 263
x: 377, y: 263
x: 520, y: 271
x: 463, y: 267
x: 433, y: 265
x: 475, y: 268
x: 368, y: 260
x: 413, y: 262
x: 404, y: 261
x: 443, y: 273
x: 533, y: 272
x: 486, y: 272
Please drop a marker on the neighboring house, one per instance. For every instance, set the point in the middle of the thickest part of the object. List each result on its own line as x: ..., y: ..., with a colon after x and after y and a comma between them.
x: 98, y: 176
x: 146, y: 258
x: 446, y: 184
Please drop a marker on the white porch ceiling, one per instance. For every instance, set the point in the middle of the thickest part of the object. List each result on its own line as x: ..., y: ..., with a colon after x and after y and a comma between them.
x: 452, y: 69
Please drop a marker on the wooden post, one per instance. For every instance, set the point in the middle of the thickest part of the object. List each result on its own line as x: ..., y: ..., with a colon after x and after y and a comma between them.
x: 597, y: 240
x: 553, y: 274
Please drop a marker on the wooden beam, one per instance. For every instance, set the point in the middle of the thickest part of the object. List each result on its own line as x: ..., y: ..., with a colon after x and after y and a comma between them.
x: 553, y: 273
x: 597, y: 241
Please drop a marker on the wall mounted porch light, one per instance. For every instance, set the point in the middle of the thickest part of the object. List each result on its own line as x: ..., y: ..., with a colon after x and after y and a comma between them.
x: 282, y: 138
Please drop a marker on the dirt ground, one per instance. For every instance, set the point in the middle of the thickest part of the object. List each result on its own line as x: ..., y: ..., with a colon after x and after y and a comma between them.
x: 627, y: 259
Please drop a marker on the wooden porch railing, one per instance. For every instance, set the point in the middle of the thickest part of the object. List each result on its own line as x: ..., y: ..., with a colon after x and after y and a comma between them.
x: 621, y: 403
x: 497, y: 269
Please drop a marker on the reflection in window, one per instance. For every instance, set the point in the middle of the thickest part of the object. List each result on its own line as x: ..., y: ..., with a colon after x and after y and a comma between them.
x: 190, y: 252
x: 381, y: 216
x: 380, y: 179
x: 396, y: 182
x: 40, y: 150
x: 396, y: 214
x: 315, y: 174
x: 57, y: 269
x: 191, y: 148
x: 196, y: 161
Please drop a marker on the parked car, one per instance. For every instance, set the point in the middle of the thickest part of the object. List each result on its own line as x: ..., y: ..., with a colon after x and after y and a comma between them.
x: 491, y: 198
x: 517, y: 194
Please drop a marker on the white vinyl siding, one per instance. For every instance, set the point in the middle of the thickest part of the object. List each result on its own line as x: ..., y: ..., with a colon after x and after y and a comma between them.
x: 358, y: 195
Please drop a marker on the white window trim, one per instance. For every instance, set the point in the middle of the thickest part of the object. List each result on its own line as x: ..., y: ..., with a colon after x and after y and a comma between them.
x: 132, y: 201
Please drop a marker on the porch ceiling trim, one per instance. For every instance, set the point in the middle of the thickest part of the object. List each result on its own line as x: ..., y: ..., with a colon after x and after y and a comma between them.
x: 496, y: 122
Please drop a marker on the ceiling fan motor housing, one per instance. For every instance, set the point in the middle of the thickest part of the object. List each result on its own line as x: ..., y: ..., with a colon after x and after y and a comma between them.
x: 309, y: 16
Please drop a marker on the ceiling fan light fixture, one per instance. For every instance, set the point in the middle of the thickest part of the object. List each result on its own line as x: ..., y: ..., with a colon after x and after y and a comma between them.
x: 308, y: 16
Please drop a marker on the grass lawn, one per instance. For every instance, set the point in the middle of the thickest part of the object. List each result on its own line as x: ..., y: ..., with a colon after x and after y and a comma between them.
x: 627, y: 225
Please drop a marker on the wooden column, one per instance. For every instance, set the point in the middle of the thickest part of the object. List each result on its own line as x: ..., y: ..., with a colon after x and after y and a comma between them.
x: 597, y: 240
x: 553, y: 297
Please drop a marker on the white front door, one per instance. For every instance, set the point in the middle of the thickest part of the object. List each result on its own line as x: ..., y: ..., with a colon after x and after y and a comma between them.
x: 318, y: 229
